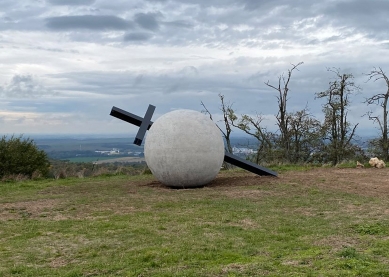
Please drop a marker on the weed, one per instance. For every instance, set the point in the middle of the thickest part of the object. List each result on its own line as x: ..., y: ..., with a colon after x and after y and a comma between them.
x: 348, y: 252
x: 376, y: 228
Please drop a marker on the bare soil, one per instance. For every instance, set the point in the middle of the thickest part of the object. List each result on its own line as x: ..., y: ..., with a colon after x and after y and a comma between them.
x: 363, y: 181
x: 367, y: 182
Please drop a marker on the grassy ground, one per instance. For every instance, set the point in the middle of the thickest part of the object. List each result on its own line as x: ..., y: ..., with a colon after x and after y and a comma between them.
x: 316, y: 222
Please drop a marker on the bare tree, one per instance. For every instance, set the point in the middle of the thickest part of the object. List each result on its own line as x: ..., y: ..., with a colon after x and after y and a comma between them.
x: 337, y: 128
x: 305, y: 135
x: 226, y: 110
x: 380, y: 99
x: 252, y: 126
x: 283, y: 119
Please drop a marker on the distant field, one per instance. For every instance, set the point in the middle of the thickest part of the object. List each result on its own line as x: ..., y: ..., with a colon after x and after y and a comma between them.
x: 85, y: 144
x: 83, y: 150
x: 87, y: 159
x: 318, y: 222
x: 105, y: 159
x: 122, y: 160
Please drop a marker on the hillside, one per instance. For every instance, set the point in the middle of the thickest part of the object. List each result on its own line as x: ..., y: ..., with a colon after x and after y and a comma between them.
x: 317, y: 222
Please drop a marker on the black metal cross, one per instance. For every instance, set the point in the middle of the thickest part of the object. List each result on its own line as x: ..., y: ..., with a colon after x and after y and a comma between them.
x: 145, y: 124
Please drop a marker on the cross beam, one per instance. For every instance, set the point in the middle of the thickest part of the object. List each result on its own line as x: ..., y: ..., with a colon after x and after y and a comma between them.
x: 250, y: 166
x: 128, y: 117
x: 145, y: 124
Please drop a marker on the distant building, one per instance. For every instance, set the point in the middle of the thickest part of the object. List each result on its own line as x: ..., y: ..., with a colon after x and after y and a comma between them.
x: 242, y: 150
x: 114, y: 151
x: 136, y: 153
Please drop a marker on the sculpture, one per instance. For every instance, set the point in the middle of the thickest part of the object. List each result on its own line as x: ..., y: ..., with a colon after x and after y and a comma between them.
x: 185, y: 149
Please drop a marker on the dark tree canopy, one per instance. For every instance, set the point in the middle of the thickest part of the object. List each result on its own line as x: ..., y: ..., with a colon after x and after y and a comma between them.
x: 21, y: 156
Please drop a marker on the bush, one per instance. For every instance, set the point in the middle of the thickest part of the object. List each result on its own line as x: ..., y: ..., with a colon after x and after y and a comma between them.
x: 19, y: 156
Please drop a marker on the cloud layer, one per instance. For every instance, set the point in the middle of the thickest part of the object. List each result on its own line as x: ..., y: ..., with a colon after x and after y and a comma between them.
x: 65, y: 63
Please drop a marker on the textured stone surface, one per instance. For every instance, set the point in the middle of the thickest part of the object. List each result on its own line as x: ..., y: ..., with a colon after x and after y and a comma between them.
x: 184, y: 148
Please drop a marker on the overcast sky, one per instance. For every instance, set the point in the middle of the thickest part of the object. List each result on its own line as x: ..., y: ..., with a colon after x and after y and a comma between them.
x: 65, y: 63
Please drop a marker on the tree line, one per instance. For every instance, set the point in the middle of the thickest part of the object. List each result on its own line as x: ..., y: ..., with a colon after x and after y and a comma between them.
x: 300, y: 137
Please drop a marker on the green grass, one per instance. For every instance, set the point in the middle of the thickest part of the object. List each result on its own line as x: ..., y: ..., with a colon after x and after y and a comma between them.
x: 292, y: 167
x: 128, y: 226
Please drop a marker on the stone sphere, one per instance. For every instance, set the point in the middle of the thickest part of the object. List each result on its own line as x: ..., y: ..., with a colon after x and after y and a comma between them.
x: 184, y: 148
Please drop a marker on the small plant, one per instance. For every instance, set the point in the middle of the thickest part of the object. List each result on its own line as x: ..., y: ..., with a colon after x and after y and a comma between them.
x: 146, y: 171
x: 20, y: 156
x: 348, y: 252
x: 378, y: 228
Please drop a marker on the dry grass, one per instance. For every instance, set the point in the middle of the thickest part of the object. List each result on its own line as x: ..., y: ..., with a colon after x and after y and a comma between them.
x: 319, y: 222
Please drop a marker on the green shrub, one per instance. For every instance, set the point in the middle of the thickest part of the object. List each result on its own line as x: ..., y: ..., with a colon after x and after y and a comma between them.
x: 20, y: 156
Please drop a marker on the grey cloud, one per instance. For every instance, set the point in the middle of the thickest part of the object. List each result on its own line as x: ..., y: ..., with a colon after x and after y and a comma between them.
x: 176, y: 20
x: 71, y: 2
x: 94, y: 37
x: 8, y: 19
x: 257, y: 77
x: 21, y: 17
x: 333, y: 39
x: 6, y: 4
x: 247, y: 89
x: 178, y: 23
x: 48, y: 105
x: 358, y: 9
x: 90, y: 22
x: 189, y: 71
x: 147, y: 20
x: 58, y: 50
x: 369, y: 17
x: 257, y: 4
x: 24, y: 86
x: 385, y: 45
x: 138, y: 79
x: 186, y: 80
x: 137, y: 37
x: 211, y: 3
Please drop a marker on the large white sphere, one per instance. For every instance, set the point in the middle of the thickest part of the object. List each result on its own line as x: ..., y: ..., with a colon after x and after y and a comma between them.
x: 184, y: 148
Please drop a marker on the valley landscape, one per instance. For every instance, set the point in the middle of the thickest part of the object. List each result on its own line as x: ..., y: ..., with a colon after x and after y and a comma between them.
x: 107, y: 150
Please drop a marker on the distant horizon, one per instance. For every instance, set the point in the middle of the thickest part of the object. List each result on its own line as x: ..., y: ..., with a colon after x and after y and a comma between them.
x: 239, y: 134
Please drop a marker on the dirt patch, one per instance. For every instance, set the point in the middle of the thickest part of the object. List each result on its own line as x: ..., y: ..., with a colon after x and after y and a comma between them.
x: 223, y: 180
x: 364, y: 181
x: 58, y: 262
x: 367, y: 182
x: 241, y: 179
x: 26, y: 209
x: 337, y: 242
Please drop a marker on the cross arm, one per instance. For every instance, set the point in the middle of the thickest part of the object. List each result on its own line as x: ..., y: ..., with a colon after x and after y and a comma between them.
x: 128, y: 117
